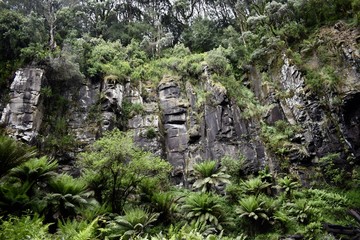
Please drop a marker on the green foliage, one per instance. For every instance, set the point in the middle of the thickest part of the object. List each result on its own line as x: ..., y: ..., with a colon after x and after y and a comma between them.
x: 355, y: 4
x: 252, y: 210
x: 65, y: 68
x: 14, y: 198
x: 325, y: 79
x: 254, y: 186
x: 353, y: 197
x: 332, y: 173
x: 101, y: 39
x: 165, y: 203
x: 205, y: 209
x: 327, y: 13
x: 302, y: 211
x: 120, y: 170
x: 278, y: 137
x: 209, y: 175
x: 288, y: 185
x: 234, y: 167
x: 243, y: 96
x: 201, y: 36
x: 151, y: 133
x: 34, y: 171
x: 217, y: 61
x: 26, y: 227
x: 251, y: 207
x: 46, y: 91
x: 328, y: 205
x: 131, y: 225
x: 66, y: 196
x: 13, y: 154
x: 77, y: 230
x: 108, y: 58
x: 130, y: 110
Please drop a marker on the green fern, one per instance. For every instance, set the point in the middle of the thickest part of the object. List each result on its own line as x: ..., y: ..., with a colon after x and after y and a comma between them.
x: 209, y: 175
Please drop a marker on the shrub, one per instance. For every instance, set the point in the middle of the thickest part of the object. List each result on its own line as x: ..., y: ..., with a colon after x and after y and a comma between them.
x: 25, y: 227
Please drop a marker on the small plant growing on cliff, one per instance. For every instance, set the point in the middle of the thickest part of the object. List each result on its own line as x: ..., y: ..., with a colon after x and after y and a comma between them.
x: 278, y: 137
x: 288, y: 185
x: 234, y: 167
x: 151, y: 133
x: 130, y: 109
x: 46, y: 92
x: 332, y: 173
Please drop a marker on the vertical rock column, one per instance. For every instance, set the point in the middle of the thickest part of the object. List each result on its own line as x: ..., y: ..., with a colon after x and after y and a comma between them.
x: 174, y: 111
x: 22, y: 116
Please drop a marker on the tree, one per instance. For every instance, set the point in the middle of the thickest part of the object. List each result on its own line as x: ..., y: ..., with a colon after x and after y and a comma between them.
x: 14, y: 198
x: 165, y: 203
x: 202, y: 35
x: 209, y: 175
x: 120, y: 167
x: 109, y: 59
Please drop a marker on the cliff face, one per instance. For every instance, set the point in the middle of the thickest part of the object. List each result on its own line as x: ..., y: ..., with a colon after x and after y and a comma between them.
x: 186, y: 123
x: 22, y: 116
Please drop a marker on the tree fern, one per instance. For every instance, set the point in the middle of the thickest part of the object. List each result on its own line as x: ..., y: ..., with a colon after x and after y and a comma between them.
x: 209, y: 175
x: 205, y: 208
x: 132, y: 224
x: 12, y: 154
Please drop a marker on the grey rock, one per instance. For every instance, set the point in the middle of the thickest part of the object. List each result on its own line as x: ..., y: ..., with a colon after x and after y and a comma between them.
x: 22, y: 116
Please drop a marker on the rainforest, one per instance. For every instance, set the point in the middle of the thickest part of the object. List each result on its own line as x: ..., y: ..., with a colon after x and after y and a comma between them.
x: 179, y: 119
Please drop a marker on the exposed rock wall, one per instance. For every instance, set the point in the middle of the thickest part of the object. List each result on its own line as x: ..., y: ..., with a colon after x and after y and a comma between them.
x: 186, y: 122
x: 197, y: 129
x: 22, y: 116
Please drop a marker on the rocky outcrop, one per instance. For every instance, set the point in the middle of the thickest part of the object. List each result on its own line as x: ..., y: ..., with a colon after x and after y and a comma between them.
x: 329, y: 121
x: 196, y: 129
x: 186, y: 121
x: 82, y: 120
x: 22, y: 116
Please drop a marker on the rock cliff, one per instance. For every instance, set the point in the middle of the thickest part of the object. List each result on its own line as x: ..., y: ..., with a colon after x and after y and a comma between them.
x: 22, y: 116
x: 186, y: 122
